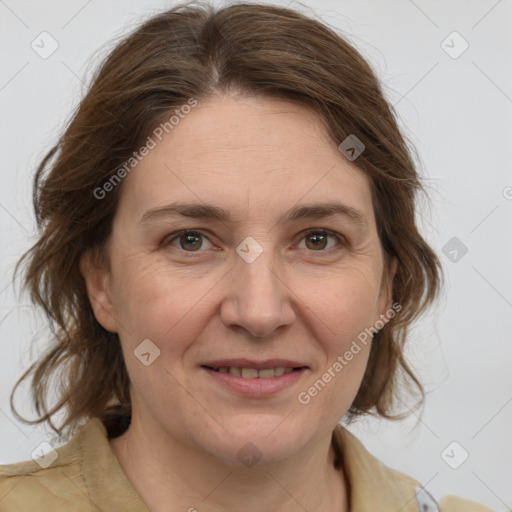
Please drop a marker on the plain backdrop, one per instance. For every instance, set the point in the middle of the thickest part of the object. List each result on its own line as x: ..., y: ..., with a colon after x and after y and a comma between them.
x: 453, y: 95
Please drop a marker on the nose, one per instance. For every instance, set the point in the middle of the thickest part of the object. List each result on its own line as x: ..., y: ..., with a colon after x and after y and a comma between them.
x: 257, y: 298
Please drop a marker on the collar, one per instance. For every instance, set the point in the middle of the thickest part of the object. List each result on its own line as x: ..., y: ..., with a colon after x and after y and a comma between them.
x: 100, y: 461
x: 372, y: 485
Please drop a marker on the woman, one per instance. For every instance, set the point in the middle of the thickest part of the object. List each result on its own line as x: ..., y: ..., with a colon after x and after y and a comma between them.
x: 229, y: 258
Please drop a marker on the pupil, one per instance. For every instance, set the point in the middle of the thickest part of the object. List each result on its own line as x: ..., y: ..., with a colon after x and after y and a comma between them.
x: 191, y: 242
x: 319, y: 241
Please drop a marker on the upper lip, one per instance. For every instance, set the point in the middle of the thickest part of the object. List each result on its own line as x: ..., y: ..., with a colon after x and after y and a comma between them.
x: 242, y: 362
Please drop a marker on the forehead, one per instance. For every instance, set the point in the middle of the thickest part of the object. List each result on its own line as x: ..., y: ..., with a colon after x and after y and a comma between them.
x: 264, y: 152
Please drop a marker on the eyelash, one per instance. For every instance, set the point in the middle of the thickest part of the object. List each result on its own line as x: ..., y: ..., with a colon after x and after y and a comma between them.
x: 340, y: 239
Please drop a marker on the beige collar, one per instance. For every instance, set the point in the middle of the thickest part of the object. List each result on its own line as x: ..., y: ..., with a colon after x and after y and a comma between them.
x: 373, y: 486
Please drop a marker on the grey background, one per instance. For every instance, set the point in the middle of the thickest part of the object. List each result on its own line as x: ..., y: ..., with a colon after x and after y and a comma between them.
x: 456, y: 111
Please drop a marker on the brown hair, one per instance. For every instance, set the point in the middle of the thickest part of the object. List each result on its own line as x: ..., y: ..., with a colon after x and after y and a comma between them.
x: 196, y: 51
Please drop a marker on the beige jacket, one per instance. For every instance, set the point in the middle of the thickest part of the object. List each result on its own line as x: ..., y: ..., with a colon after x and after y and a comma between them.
x: 86, y: 476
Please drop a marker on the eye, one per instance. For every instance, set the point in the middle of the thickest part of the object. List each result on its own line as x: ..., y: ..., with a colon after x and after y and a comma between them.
x: 318, y: 240
x: 190, y: 241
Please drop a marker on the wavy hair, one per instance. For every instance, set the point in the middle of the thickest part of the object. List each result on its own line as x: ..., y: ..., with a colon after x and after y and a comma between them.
x: 197, y: 51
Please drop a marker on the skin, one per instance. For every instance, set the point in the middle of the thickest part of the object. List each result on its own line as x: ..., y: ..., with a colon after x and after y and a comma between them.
x: 255, y: 158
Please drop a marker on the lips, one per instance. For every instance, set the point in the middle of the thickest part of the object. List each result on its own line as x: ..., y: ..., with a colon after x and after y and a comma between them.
x: 255, y: 379
x: 250, y: 369
x: 253, y: 364
x: 253, y: 373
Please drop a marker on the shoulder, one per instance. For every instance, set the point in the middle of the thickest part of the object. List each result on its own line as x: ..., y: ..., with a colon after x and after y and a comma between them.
x: 427, y: 503
x: 456, y: 504
x: 27, y: 486
x: 53, y: 481
x: 377, y: 486
x: 23, y: 490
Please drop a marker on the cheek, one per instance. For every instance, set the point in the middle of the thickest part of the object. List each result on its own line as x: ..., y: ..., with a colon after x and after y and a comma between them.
x: 158, y: 303
x: 348, y: 341
x: 343, y: 316
x: 345, y: 304
x: 342, y: 311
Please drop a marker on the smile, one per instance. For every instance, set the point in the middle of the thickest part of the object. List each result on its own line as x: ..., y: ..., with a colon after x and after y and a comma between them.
x: 263, y: 382
x: 253, y: 373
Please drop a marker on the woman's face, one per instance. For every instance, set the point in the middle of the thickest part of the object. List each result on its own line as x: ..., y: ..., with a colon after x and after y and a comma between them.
x: 281, y: 268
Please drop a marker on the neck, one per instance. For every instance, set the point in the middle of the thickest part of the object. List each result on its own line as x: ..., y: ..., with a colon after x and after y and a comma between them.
x: 171, y: 476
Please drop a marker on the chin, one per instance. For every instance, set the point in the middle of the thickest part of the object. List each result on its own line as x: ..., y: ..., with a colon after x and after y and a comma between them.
x: 251, y: 441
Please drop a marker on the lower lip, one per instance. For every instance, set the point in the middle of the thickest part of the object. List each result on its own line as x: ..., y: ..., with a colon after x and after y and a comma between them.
x: 258, y: 387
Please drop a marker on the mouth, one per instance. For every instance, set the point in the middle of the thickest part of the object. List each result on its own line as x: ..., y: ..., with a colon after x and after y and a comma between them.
x: 255, y: 379
x: 255, y: 373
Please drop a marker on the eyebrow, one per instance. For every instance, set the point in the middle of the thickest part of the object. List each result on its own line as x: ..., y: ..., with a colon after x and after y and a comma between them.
x: 205, y: 211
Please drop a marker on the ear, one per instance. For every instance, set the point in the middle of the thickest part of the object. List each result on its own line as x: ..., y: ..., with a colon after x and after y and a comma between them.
x: 386, y: 290
x: 98, y: 283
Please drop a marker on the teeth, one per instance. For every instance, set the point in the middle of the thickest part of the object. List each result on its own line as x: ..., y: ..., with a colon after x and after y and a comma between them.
x: 249, y: 373
x: 253, y: 373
